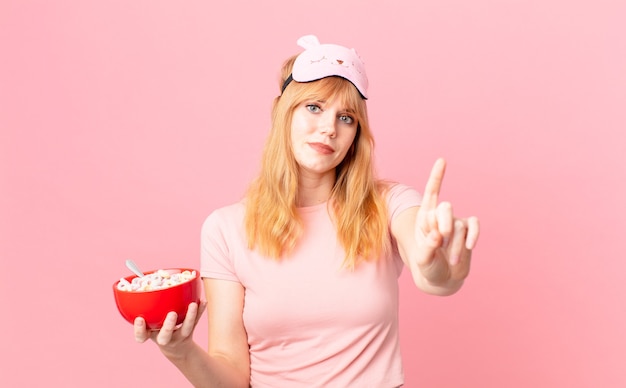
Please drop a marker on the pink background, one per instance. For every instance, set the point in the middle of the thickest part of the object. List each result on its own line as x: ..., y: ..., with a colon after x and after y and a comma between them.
x: 124, y: 123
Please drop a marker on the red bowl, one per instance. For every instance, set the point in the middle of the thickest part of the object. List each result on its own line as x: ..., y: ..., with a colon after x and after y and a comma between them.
x: 154, y: 305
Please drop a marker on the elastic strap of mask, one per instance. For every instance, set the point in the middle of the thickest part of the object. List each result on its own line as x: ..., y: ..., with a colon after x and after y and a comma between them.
x: 287, y: 82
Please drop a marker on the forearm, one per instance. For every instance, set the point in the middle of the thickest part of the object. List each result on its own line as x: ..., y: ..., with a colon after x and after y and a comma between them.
x: 210, y: 371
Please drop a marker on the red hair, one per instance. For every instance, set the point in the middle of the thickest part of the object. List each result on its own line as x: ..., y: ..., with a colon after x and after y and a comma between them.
x: 356, y: 203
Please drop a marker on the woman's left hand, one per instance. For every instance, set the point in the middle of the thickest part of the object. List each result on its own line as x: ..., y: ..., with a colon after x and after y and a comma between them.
x: 444, y: 242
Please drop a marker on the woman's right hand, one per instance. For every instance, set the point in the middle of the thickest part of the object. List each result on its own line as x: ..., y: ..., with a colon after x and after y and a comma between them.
x: 225, y: 361
x: 173, y: 340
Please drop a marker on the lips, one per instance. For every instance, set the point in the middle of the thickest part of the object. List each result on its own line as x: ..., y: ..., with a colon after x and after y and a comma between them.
x: 322, y: 148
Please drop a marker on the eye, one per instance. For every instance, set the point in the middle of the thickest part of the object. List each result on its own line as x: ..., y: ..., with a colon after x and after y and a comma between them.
x: 313, y: 108
x: 346, y: 119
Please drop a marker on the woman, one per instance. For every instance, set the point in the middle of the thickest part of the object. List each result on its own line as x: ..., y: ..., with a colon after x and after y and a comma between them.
x: 301, y: 276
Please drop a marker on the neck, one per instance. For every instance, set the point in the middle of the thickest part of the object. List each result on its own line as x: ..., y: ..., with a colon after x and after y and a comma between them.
x: 314, y: 189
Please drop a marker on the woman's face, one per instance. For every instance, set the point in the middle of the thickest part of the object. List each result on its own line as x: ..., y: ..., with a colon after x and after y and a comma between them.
x: 321, y: 135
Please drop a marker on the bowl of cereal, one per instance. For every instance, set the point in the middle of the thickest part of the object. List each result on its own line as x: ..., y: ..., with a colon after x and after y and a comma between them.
x: 156, y: 293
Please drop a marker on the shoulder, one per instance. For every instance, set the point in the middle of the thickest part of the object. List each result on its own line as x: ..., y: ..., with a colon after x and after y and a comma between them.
x: 399, y: 197
x: 396, y: 191
x: 225, y: 217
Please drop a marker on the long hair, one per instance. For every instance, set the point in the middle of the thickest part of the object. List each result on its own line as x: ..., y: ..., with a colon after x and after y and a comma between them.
x: 356, y: 203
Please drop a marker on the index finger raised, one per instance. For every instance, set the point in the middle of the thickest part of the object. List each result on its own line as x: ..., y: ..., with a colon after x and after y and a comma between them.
x: 433, y: 186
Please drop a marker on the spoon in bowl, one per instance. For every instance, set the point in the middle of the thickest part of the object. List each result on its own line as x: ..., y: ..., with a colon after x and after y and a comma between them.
x: 134, y: 268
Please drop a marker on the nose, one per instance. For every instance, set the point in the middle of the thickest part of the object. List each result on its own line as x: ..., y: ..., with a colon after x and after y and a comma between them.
x: 328, y: 125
